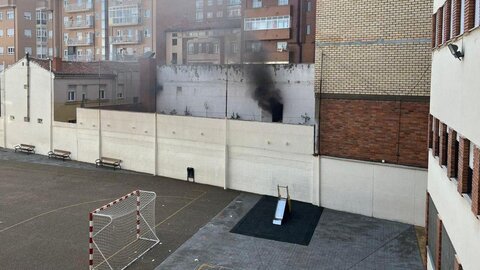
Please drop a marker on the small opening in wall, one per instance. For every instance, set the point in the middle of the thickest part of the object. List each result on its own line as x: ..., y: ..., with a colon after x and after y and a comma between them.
x: 26, y: 119
x: 40, y: 121
x: 12, y: 117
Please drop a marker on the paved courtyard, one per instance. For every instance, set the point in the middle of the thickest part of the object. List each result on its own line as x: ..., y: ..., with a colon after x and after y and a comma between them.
x: 44, y: 206
x: 340, y: 241
x: 44, y: 224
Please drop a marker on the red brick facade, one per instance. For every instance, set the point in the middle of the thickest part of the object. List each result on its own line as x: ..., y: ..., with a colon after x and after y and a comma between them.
x: 456, y: 16
x: 476, y: 182
x: 436, y: 138
x: 447, y: 20
x: 374, y: 130
x: 452, y: 163
x: 469, y: 14
x: 463, y: 160
x: 439, y: 26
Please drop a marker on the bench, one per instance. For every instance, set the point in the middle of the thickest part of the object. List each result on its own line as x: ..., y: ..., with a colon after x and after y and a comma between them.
x: 25, y: 148
x: 108, y: 162
x: 59, y: 154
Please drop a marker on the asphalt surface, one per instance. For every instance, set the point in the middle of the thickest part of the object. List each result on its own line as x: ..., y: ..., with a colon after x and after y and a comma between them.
x: 44, y: 206
x: 340, y: 241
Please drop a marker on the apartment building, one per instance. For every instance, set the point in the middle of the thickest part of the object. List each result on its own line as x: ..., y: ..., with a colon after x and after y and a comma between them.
x: 200, y: 32
x: 453, y: 205
x: 118, y: 30
x: 238, y: 31
x: 47, y: 30
x: 17, y: 30
x: 279, y: 31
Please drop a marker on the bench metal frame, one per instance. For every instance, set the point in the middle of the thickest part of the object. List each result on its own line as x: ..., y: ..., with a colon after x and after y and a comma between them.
x: 25, y: 148
x: 60, y: 154
x: 108, y: 162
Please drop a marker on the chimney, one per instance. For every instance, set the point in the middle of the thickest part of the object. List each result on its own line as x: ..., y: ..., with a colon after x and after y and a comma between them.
x: 57, y: 64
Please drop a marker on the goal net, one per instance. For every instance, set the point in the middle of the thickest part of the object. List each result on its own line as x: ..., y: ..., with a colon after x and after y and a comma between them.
x: 122, y: 231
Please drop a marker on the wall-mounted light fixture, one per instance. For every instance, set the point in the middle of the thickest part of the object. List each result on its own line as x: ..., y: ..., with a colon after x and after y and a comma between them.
x: 455, y: 52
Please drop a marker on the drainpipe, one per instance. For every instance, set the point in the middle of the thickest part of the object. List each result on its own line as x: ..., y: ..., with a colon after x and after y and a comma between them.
x: 51, y: 106
x: 28, y: 88
x: 4, y: 108
x: 226, y: 130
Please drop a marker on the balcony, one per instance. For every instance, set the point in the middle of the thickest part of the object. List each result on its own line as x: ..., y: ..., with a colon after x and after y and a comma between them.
x: 79, y: 24
x: 80, y: 41
x: 78, y: 58
x: 123, y: 57
x: 124, y: 15
x: 79, y: 7
x: 136, y: 38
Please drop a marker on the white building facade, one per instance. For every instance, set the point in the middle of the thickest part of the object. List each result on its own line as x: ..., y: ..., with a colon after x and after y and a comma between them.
x: 453, y: 199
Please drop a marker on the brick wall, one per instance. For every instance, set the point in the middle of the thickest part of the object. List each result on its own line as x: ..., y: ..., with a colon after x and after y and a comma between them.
x: 452, y: 158
x: 469, y: 14
x: 447, y: 20
x: 476, y: 182
x: 463, y: 165
x: 367, y: 50
x: 394, y: 131
x: 456, y: 17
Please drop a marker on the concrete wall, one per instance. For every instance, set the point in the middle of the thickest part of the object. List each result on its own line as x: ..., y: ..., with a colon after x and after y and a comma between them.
x: 2, y: 132
x: 195, y: 86
x: 65, y: 138
x: 373, y: 189
x: 21, y: 131
x: 455, y: 85
x: 462, y: 226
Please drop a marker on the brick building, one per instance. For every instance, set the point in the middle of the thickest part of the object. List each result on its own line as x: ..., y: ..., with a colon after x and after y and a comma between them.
x: 237, y: 31
x: 107, y: 29
x: 281, y: 31
x: 454, y: 137
x: 17, y: 29
x: 373, y: 80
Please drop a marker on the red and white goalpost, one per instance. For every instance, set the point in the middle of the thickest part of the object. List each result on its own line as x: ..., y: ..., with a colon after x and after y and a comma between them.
x: 122, y: 231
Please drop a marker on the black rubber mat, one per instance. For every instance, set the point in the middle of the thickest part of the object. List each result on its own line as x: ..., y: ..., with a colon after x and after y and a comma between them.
x: 298, y: 228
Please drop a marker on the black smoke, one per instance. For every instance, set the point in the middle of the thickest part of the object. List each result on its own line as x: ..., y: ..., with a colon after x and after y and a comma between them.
x: 264, y: 91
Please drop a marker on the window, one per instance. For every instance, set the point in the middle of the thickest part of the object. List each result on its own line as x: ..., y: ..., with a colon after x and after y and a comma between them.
x: 209, y: 2
x: 477, y: 13
x: 10, y: 32
x: 256, y: 3
x: 10, y: 15
x: 267, y: 23
x: 309, y: 6
x: 282, y: 46
x: 174, y: 58
x: 309, y: 29
x: 120, y: 91
x: 470, y: 170
x: 1, y: 32
x: 147, y: 33
x: 71, y: 94
x: 282, y: 2
x: 209, y: 15
x: 147, y: 13
x: 11, y: 50
x: 219, y: 14
x: 432, y: 230
x: 191, y: 48
x: 28, y: 50
x: 199, y: 15
x: 1, y: 16
x: 174, y: 42
x: 27, y: 32
x: 101, y: 92
x: 462, y: 17
x: 1, y: 50
x: 27, y: 16
x: 254, y: 46
x: 199, y: 4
